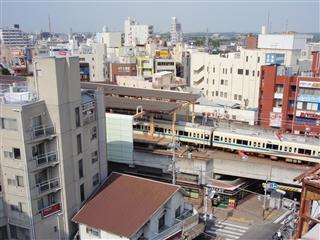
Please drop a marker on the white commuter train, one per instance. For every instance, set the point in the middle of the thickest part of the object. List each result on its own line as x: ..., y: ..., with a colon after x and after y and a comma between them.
x: 263, y: 143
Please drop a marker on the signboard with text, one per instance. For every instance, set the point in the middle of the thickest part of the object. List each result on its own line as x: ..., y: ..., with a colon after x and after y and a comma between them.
x: 275, y: 119
x: 308, y: 84
x: 275, y: 58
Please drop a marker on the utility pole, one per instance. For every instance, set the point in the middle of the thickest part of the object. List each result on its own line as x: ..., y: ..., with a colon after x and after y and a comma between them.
x: 264, y: 199
x: 174, y: 160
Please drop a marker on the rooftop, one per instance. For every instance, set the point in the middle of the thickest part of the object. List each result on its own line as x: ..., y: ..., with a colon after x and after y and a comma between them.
x: 142, y: 93
x: 125, y: 204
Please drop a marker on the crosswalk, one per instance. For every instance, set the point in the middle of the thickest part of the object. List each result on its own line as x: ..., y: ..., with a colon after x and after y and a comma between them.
x: 229, y: 231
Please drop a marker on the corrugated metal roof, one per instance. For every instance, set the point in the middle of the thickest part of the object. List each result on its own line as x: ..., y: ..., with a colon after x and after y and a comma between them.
x: 125, y: 204
x: 113, y: 102
x: 141, y: 92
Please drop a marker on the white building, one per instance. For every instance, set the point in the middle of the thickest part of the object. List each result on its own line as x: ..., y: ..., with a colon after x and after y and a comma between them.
x: 53, y: 153
x: 94, y: 60
x: 136, y: 34
x: 175, y: 31
x: 13, y: 37
x: 235, y: 76
x: 130, y: 207
x: 111, y: 39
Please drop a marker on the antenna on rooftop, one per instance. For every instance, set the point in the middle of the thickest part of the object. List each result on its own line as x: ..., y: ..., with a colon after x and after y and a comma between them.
x: 286, y: 27
x: 207, y: 39
x: 49, y: 21
x: 268, y: 23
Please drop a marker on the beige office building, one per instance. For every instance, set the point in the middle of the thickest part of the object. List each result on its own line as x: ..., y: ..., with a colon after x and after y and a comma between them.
x: 53, y: 152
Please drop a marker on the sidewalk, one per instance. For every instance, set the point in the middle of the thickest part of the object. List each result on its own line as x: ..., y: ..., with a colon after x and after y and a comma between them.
x: 249, y: 212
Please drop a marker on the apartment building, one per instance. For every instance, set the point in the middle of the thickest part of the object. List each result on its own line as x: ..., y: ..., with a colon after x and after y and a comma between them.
x: 135, y: 33
x: 289, y: 102
x: 175, y: 31
x: 235, y: 76
x: 145, y: 67
x: 93, y: 62
x: 13, y: 37
x: 53, y: 151
x: 164, y: 64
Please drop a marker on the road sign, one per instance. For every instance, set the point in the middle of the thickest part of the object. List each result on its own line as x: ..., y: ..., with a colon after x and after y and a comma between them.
x: 273, y: 185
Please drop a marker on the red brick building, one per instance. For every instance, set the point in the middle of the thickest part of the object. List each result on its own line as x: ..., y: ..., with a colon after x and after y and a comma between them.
x: 251, y: 41
x: 289, y: 102
x: 122, y: 69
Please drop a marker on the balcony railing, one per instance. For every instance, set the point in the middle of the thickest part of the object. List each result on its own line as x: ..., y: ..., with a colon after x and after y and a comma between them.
x: 50, y: 210
x: 46, y: 158
x: 169, y: 231
x: 88, y: 118
x: 49, y: 185
x: 42, y: 131
x: 88, y: 106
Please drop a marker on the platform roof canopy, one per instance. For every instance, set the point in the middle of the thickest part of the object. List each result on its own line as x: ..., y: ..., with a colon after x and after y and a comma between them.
x: 142, y: 93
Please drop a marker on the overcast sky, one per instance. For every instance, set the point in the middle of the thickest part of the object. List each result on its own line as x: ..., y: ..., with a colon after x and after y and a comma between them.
x: 217, y: 16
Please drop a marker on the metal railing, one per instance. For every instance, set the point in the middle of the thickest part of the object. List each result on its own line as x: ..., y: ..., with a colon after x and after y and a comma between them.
x: 169, y: 231
x: 48, y: 185
x: 46, y: 158
x: 88, y: 106
x: 42, y: 131
x: 89, y: 118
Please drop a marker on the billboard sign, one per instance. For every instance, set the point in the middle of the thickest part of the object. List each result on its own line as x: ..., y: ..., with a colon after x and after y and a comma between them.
x: 275, y: 58
x: 275, y: 119
x: 315, y: 115
x: 308, y: 84
x: 309, y: 98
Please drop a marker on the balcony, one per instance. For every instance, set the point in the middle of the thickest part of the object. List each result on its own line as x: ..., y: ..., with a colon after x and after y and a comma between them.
x: 278, y: 95
x: 42, y: 132
x: 50, y: 210
x: 168, y: 232
x: 44, y: 160
x: 88, y: 118
x: 48, y: 186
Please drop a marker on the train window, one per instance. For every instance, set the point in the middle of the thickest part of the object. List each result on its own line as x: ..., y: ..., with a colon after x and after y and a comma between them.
x: 216, y: 138
x: 254, y: 144
x: 304, y: 151
x: 229, y: 140
x: 295, y: 150
x: 259, y: 144
x: 169, y: 130
x: 161, y: 130
x: 201, y: 136
x: 272, y: 146
x: 180, y: 133
x: 263, y: 145
x: 148, y: 128
x: 197, y: 135
x: 206, y: 136
x: 194, y: 135
x: 313, y: 153
x: 234, y: 141
x: 242, y: 142
x: 290, y: 149
x: 249, y: 143
x: 286, y: 148
x: 280, y: 148
x: 226, y: 139
x: 186, y: 134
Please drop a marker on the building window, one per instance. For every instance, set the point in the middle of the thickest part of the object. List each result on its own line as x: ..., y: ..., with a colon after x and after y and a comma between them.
x: 80, y: 165
x: 225, y: 95
x: 258, y: 73
x: 8, y: 154
x: 240, y: 71
x: 77, y: 114
x: 239, y: 97
x: 258, y: 59
x: 16, y: 153
x: 161, y: 223
x: 82, y: 195
x: 235, y: 97
x: 19, y: 180
x: 9, y: 123
x: 247, y: 72
x: 217, y: 93
x: 178, y: 212
x: 93, y: 232
x: 79, y: 143
x: 221, y: 94
x: 94, y: 157
x: 253, y: 73
x: 247, y: 58
x: 95, y: 180
x: 93, y: 133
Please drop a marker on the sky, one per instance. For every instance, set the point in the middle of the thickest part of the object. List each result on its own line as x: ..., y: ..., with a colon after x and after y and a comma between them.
x: 195, y: 15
